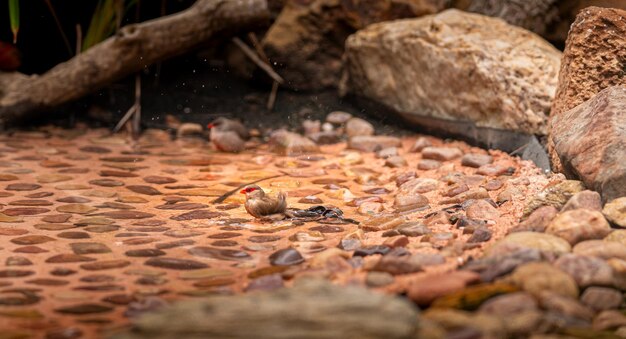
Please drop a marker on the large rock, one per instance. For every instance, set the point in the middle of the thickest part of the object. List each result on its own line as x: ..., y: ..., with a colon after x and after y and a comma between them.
x: 590, y: 141
x: 312, y: 309
x: 306, y: 41
x: 455, y: 66
x: 592, y: 61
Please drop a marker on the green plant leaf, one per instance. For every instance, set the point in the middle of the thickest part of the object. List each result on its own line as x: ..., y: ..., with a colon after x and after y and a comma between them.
x: 14, y: 16
x: 104, y: 21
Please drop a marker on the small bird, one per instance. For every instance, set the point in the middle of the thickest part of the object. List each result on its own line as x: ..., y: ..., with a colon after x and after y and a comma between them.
x: 262, y: 206
x: 228, y: 135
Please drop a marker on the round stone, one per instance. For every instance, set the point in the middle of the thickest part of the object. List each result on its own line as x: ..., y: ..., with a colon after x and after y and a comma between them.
x: 578, y: 225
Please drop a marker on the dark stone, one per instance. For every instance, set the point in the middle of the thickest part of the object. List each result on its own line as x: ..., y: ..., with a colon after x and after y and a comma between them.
x: 286, y: 257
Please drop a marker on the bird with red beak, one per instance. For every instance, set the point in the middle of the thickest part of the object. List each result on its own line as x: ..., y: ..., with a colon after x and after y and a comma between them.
x: 261, y: 206
x: 228, y: 135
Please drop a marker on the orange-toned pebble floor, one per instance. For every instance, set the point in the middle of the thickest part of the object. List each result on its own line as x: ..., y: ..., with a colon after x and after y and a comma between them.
x: 92, y: 225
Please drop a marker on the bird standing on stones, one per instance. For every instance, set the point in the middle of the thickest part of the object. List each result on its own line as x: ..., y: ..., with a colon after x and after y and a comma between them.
x: 228, y: 135
x: 262, y: 206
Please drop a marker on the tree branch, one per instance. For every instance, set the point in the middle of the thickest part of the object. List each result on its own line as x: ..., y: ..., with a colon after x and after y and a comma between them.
x: 133, y: 48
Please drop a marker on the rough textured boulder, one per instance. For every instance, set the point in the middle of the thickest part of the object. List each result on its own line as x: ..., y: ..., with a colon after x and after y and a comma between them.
x: 593, y: 60
x: 455, y: 66
x: 307, y: 40
x: 590, y: 141
x: 310, y: 310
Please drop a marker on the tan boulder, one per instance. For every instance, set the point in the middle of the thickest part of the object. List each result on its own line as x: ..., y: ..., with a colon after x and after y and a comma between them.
x: 455, y: 66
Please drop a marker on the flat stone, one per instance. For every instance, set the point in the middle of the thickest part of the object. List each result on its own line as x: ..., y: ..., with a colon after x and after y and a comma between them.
x: 58, y: 218
x: 106, y: 182
x: 198, y: 214
x: 441, y: 153
x: 68, y: 258
x: 159, y: 180
x: 373, y: 143
x: 22, y: 187
x: 141, y: 189
x: 73, y: 235
x: 146, y: 252
x: 30, y: 202
x: 89, y: 248
x: 17, y: 211
x: 218, y: 253
x: 476, y: 160
x: 175, y: 263
x: 84, y: 309
x: 32, y: 239
x: 15, y: 273
x: 126, y: 215
x: 76, y: 208
x: 17, y: 261
x: 105, y: 265
x: 52, y: 178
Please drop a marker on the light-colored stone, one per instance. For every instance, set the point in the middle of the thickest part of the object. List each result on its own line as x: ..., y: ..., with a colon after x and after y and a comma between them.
x: 537, y: 277
x: 615, y: 211
x: 358, y: 126
x: 555, y: 195
x: 373, y: 143
x: 590, y: 141
x: 332, y: 311
x: 289, y: 143
x: 455, y: 66
x: 605, y: 249
x: 540, y: 241
x: 578, y: 225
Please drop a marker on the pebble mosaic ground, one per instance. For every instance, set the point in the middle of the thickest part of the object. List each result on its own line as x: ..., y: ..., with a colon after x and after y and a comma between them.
x: 95, y: 229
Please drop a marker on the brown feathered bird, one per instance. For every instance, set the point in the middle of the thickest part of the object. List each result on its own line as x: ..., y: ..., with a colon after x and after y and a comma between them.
x: 262, y: 206
x: 228, y: 135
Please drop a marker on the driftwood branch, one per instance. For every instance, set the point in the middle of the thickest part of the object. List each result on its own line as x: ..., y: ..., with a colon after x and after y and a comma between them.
x: 133, y: 48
